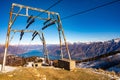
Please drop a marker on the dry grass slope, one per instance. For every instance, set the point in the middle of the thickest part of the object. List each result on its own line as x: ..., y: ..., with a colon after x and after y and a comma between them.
x: 52, y: 74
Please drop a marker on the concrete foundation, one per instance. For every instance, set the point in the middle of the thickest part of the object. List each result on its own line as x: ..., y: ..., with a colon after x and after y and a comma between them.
x: 66, y: 64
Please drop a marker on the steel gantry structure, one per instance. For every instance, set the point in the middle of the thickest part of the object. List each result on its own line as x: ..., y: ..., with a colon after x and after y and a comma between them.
x: 50, y: 19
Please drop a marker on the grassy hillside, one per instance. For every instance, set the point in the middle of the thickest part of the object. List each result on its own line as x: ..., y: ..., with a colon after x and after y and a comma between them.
x: 52, y: 74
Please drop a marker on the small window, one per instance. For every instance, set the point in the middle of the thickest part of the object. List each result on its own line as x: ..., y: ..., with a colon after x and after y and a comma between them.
x: 36, y: 65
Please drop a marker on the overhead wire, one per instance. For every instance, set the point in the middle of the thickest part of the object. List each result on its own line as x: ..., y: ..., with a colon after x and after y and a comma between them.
x: 91, y: 9
x: 50, y: 7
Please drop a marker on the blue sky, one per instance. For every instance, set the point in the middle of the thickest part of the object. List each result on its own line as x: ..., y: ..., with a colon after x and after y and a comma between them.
x: 98, y: 25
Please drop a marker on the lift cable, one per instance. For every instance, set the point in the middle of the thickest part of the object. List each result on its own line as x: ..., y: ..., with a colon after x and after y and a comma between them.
x: 50, y: 7
x: 88, y: 10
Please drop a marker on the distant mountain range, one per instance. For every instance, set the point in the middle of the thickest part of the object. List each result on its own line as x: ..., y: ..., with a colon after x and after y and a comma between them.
x: 15, y: 49
x: 87, y: 50
x: 78, y: 50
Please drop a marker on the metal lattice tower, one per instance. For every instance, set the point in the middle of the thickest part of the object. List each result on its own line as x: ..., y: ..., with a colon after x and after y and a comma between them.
x: 50, y: 19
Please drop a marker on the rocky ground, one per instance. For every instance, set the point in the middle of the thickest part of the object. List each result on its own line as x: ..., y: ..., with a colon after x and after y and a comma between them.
x: 52, y: 73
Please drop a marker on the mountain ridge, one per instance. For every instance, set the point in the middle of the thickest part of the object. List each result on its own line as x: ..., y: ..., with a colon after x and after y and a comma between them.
x: 78, y: 50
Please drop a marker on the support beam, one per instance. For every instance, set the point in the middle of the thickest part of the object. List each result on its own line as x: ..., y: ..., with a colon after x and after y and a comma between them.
x: 24, y: 15
x: 13, y: 30
x: 61, y: 52
x: 46, y: 57
x: 7, y: 41
x: 61, y: 29
x: 66, y: 45
x: 32, y: 8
